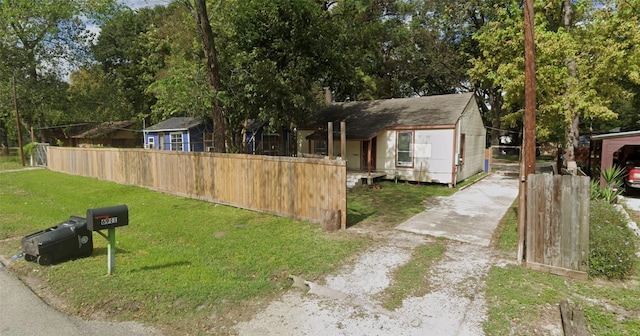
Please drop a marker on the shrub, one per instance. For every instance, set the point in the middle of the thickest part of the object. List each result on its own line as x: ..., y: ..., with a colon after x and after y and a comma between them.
x: 613, y: 186
x: 612, y: 244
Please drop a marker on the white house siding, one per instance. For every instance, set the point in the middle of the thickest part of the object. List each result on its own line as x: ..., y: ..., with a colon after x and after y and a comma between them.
x: 475, y: 142
x: 432, y: 156
x: 353, y: 155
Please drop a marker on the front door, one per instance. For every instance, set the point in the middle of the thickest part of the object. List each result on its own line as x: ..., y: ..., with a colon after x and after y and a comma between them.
x: 365, y: 154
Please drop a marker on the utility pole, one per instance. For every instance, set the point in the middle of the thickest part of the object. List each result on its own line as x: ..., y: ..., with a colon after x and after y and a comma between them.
x: 528, y: 151
x: 15, y: 107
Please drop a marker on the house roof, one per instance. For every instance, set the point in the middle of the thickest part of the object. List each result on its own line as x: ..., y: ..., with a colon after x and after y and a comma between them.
x: 616, y: 135
x: 365, y: 119
x: 175, y: 124
x: 104, y: 129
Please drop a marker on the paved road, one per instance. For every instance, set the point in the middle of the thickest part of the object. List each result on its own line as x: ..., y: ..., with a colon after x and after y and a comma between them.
x: 470, y: 215
x: 23, y: 313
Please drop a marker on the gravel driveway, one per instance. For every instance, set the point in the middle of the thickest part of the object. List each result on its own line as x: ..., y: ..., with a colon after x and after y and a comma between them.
x: 346, y: 302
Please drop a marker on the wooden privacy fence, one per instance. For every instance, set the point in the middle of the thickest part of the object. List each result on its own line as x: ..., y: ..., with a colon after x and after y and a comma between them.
x: 285, y: 186
x: 557, y: 233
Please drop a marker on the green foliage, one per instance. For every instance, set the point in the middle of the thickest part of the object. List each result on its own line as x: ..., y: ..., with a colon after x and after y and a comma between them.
x: 39, y: 42
x: 613, y: 187
x: 10, y: 162
x: 612, y: 244
x: 29, y: 148
x: 602, y: 46
x: 505, y: 237
x: 516, y: 296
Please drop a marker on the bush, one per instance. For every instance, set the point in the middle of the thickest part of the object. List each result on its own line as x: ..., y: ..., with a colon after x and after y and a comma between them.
x: 612, y: 243
x: 613, y: 186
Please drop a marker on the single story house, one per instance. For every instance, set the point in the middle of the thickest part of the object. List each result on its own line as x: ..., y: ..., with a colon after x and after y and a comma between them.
x: 184, y: 134
x: 120, y: 134
x: 436, y: 139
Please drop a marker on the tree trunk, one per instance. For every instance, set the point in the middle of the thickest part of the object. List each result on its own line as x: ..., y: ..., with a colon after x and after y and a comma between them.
x: 495, y: 99
x: 4, y: 139
x: 208, y: 43
x: 572, y: 131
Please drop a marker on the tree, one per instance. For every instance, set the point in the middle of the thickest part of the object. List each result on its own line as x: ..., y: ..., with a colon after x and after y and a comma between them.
x: 127, y: 61
x: 596, y: 48
x: 41, y: 40
x: 213, y: 74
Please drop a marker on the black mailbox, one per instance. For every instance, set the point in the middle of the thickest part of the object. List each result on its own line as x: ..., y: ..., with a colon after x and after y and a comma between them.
x: 109, y: 217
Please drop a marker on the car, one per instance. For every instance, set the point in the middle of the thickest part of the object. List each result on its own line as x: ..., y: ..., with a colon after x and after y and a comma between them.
x: 632, y: 173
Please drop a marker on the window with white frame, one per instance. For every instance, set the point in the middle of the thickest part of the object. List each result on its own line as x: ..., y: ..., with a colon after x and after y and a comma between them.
x: 176, y: 142
x: 151, y: 141
x: 404, y: 149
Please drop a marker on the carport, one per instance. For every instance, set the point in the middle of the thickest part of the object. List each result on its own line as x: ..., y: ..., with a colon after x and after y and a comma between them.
x: 613, y: 142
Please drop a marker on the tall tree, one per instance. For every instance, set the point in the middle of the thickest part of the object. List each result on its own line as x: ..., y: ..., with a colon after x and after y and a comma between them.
x: 213, y: 74
x: 122, y: 50
x: 41, y: 40
x: 600, y: 46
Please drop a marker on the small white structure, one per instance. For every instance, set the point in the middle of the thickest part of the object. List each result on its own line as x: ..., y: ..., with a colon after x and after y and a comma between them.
x: 437, y: 139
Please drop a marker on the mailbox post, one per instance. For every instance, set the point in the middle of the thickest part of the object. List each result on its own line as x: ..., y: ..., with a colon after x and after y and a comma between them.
x: 108, y: 219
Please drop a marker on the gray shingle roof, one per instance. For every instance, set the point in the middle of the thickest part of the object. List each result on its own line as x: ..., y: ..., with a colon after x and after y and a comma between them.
x: 175, y: 124
x: 365, y: 119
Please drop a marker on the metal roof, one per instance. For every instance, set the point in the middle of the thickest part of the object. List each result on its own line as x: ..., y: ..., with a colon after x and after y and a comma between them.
x: 616, y: 135
x: 365, y: 119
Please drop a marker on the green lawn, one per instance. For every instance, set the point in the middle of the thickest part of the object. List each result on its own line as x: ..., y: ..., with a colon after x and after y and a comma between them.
x: 388, y: 204
x: 522, y: 302
x: 179, y: 262
x: 10, y: 163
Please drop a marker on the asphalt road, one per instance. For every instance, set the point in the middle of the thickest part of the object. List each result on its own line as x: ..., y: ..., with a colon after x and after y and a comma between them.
x: 23, y: 313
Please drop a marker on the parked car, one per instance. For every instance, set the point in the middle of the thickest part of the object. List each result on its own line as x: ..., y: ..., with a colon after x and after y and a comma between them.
x: 632, y: 177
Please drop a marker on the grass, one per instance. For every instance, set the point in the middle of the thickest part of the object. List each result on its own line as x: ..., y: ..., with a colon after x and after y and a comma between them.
x: 523, y: 302
x: 389, y: 204
x: 179, y: 262
x: 412, y: 279
x: 10, y: 162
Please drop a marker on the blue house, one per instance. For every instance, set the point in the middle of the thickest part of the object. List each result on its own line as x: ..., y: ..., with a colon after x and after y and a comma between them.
x: 184, y: 134
x: 259, y: 140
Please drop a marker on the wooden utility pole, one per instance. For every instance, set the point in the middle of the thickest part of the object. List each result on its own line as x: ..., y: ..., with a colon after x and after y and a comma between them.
x: 15, y: 107
x: 528, y: 151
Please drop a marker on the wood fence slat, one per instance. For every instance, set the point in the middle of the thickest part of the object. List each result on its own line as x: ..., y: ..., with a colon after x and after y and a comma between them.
x: 292, y: 187
x: 557, y: 224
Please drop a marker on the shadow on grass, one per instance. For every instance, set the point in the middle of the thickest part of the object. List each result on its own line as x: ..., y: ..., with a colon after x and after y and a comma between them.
x: 157, y: 267
x: 357, y: 218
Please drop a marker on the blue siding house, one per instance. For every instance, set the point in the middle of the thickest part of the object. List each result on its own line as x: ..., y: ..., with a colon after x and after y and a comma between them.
x: 184, y: 134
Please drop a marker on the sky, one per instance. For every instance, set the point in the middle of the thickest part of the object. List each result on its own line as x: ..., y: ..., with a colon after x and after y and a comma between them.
x: 135, y: 4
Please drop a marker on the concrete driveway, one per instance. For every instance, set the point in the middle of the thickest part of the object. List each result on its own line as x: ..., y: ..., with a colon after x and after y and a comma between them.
x: 470, y: 215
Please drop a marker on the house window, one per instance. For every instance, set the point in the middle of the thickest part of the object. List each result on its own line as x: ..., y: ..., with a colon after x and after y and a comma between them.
x: 176, y: 142
x: 320, y: 147
x: 404, y: 149
x: 151, y: 142
x: 463, y: 139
